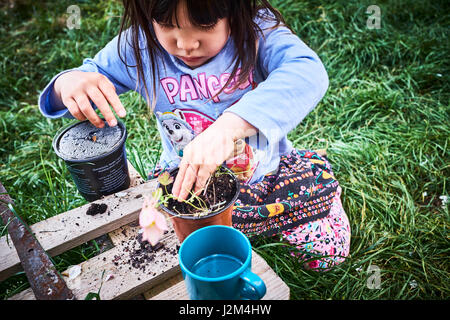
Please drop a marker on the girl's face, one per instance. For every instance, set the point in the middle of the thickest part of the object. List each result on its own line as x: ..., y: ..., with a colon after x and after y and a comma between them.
x: 193, y: 45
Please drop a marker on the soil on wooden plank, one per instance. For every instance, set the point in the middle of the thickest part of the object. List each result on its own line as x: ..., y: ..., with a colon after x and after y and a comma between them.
x: 141, y: 254
x: 96, y: 208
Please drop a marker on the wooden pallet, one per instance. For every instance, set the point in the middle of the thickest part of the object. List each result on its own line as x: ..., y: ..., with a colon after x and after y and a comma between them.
x: 112, y: 270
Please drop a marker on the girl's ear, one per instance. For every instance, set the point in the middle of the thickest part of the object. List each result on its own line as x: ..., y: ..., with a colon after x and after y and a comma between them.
x: 179, y: 114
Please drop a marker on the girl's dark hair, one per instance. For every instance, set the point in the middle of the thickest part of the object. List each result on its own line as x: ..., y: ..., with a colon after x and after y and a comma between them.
x: 139, y: 14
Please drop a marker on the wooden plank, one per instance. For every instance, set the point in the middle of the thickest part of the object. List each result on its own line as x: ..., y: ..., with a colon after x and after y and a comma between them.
x: 121, y: 280
x: 166, y: 285
x: 127, y: 281
x: 169, y: 286
x: 135, y: 177
x: 73, y: 228
x: 276, y: 288
x: 125, y: 232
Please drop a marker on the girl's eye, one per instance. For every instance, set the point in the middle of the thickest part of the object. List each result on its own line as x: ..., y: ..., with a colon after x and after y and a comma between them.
x: 207, y: 27
x: 177, y: 126
x: 165, y: 26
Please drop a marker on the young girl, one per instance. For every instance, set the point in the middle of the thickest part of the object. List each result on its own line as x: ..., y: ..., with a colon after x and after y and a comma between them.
x: 227, y: 80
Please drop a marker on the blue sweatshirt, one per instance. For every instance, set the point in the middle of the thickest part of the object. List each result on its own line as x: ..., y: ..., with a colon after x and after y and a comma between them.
x: 287, y: 82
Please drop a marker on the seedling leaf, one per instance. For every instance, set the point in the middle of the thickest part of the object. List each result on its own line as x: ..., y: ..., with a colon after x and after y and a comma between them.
x: 165, y: 178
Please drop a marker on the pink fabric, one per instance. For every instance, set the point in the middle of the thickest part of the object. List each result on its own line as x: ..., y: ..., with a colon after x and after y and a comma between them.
x: 328, y: 237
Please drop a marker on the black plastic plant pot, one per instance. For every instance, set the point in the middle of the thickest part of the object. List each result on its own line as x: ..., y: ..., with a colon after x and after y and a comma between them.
x: 96, y: 158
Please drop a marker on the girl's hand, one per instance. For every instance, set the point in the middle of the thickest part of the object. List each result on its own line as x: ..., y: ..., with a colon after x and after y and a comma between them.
x: 207, y: 151
x: 75, y: 88
x: 201, y: 157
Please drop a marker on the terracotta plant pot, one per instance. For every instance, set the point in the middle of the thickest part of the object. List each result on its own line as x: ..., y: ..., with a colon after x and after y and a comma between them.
x: 186, y: 224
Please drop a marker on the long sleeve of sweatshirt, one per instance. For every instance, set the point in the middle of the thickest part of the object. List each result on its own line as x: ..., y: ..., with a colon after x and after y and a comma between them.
x: 295, y: 81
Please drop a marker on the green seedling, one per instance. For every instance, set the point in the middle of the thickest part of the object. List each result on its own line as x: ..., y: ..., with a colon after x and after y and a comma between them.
x: 202, y: 208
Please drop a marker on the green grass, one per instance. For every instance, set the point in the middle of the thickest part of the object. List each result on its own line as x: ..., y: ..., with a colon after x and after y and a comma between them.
x: 384, y: 122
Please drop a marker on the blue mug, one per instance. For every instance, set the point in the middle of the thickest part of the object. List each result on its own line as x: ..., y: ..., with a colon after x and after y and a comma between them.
x: 216, y: 265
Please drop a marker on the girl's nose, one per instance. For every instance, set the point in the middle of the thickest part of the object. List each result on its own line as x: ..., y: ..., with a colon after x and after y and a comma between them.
x: 187, y: 45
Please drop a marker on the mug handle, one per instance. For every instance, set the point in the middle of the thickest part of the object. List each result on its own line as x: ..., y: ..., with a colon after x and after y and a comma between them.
x: 254, y: 288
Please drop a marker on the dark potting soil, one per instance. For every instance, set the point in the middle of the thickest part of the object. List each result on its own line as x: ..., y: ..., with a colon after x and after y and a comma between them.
x: 221, y: 189
x: 96, y: 208
x: 84, y: 140
x: 141, y: 254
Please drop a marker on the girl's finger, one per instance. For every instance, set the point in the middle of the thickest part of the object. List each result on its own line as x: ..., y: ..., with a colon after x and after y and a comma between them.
x: 179, y: 178
x: 73, y: 108
x: 109, y: 91
x: 89, y: 112
x: 97, y: 97
x: 188, y: 181
x: 204, y: 172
